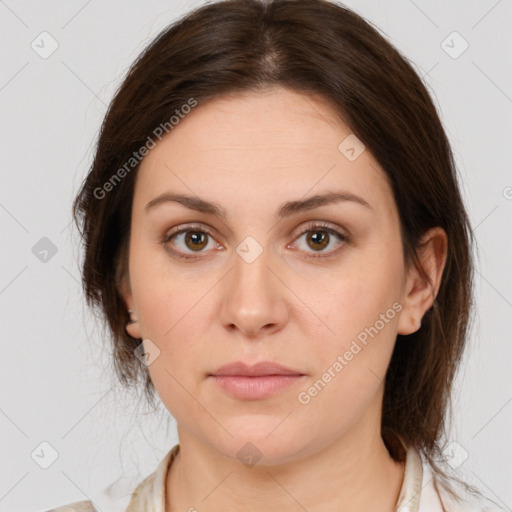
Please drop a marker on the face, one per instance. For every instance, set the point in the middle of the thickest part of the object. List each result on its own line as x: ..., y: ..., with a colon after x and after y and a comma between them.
x: 321, y: 289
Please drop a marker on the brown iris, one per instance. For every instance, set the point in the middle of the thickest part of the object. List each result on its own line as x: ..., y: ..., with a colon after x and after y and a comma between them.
x: 198, y: 239
x: 319, y: 238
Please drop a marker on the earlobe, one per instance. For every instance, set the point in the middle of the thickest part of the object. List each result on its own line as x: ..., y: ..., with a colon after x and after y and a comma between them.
x: 132, y: 325
x: 421, y: 289
x: 408, y: 324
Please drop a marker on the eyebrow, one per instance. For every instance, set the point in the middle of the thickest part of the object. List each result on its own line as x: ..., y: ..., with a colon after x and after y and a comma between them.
x: 286, y: 209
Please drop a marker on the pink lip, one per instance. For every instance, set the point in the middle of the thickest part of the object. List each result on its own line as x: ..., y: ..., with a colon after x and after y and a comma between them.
x: 256, y: 382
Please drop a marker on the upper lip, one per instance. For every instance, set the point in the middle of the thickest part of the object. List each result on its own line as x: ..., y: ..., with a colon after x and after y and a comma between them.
x: 258, y: 369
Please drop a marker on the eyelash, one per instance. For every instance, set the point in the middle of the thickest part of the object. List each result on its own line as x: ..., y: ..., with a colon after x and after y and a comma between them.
x: 314, y: 226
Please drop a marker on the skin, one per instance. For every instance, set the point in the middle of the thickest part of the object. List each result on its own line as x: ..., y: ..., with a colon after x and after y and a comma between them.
x: 249, y: 153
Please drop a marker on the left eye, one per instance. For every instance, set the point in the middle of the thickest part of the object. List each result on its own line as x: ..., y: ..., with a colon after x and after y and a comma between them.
x: 318, y: 238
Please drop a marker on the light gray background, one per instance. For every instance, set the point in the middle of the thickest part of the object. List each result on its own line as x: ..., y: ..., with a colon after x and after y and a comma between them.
x: 56, y: 376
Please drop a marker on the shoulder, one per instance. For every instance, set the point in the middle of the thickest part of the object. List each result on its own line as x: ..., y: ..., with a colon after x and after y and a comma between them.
x: 129, y: 494
x: 467, y: 502
x: 463, y: 500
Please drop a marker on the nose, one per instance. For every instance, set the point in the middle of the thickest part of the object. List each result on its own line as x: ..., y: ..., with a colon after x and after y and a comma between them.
x: 254, y: 298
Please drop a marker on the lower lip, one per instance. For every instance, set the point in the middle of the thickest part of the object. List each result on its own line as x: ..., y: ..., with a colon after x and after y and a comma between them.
x: 255, y: 388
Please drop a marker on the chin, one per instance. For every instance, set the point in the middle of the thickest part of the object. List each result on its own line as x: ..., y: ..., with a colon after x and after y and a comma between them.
x: 254, y: 445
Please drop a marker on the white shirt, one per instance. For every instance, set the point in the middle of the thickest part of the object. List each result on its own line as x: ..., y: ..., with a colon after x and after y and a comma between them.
x: 420, y: 492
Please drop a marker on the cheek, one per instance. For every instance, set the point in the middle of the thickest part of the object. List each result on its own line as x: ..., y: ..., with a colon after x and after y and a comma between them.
x: 359, y: 305
x: 177, y: 329
x: 355, y: 297
x: 350, y: 365
x: 162, y: 296
x: 170, y: 316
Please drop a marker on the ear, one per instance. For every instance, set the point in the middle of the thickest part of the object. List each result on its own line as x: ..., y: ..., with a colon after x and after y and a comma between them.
x: 125, y: 290
x: 419, y: 292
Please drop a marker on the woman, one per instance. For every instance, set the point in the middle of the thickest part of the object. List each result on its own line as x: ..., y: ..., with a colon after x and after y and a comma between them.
x: 275, y: 235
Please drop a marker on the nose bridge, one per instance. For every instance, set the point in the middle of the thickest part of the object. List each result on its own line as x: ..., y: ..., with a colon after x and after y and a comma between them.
x: 251, y: 298
x: 251, y: 273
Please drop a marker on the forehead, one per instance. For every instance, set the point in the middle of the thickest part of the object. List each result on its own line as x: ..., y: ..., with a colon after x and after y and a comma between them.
x: 271, y: 142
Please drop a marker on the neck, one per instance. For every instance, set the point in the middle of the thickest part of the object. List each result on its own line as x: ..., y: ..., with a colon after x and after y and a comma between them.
x: 355, y: 472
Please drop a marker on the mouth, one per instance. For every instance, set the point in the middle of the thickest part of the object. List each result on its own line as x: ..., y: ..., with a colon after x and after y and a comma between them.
x: 255, y: 382
x: 261, y: 369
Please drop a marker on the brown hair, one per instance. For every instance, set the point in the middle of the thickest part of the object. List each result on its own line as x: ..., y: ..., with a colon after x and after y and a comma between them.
x: 313, y: 47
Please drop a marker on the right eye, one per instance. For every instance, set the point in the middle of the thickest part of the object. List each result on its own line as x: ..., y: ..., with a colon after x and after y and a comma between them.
x: 191, y: 242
